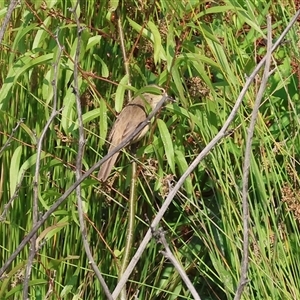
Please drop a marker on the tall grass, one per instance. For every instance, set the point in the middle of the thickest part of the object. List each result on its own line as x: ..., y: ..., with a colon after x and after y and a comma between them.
x: 202, y: 52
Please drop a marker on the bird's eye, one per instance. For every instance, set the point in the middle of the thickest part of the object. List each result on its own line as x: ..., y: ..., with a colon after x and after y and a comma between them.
x: 162, y: 90
x: 159, y: 88
x: 153, y: 89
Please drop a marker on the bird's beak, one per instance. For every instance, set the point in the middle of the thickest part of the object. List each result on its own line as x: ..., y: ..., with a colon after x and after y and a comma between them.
x: 171, y: 99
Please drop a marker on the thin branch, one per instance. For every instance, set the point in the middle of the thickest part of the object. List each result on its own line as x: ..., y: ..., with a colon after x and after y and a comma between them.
x: 126, y: 62
x: 195, y: 163
x: 248, y: 151
x: 11, y: 135
x: 12, y: 5
x: 169, y: 255
x: 35, y: 213
x: 132, y: 200
x: 13, y: 197
x: 130, y: 226
x: 81, y: 144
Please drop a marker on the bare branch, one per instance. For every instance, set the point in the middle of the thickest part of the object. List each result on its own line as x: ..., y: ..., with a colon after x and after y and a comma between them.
x: 11, y: 135
x: 13, y: 197
x: 169, y: 255
x: 10, y: 9
x: 126, y: 62
x: 81, y: 144
x: 130, y: 227
x: 35, y: 212
x: 245, y: 259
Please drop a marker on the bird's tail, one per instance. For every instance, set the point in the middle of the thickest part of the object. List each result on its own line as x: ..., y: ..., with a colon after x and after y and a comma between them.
x: 105, y: 169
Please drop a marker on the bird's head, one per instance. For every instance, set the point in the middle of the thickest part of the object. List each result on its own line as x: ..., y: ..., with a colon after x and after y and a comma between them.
x: 153, y: 94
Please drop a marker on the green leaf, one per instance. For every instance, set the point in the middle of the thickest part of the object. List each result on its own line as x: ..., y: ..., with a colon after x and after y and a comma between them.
x: 68, y: 113
x: 216, y: 10
x: 246, y: 18
x: 78, y: 9
x: 182, y: 165
x: 156, y: 41
x: 21, y: 33
x: 138, y: 28
x: 30, y: 133
x: 170, y: 48
x: 88, y: 117
x: 167, y: 142
x: 14, y: 167
x: 3, y: 12
x: 34, y: 283
x: 104, y: 68
x: 19, y: 68
x: 71, y: 284
x: 94, y: 40
x: 113, y: 5
x: 224, y: 65
x: 154, y: 36
x: 103, y: 122
x: 70, y: 63
x: 31, y: 161
x: 51, y: 231
x: 41, y: 34
x: 120, y: 93
x: 6, y: 280
x: 195, y: 60
x: 177, y: 79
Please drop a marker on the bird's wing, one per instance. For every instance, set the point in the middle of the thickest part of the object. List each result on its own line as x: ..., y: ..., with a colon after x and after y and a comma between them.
x: 130, y: 118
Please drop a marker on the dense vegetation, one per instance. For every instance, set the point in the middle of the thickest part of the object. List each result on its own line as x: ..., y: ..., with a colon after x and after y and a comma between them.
x: 201, y: 53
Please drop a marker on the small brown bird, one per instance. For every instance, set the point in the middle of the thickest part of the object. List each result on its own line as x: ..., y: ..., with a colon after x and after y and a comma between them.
x: 132, y: 115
